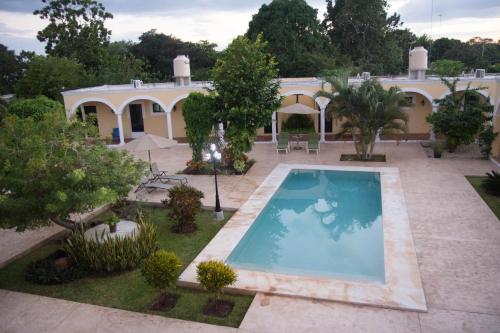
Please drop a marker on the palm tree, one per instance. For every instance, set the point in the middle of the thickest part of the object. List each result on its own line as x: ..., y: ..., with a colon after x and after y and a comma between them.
x: 367, y: 109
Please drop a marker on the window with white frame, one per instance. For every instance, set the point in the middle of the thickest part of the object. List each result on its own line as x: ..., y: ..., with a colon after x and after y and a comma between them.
x: 157, y: 108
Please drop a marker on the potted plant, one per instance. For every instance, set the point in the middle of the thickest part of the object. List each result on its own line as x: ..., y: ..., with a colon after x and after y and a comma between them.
x: 437, y: 148
x: 112, y: 222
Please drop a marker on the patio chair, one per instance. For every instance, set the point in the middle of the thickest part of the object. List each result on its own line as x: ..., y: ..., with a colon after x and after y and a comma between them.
x: 151, y: 185
x: 283, y: 144
x: 161, y: 176
x: 312, y: 143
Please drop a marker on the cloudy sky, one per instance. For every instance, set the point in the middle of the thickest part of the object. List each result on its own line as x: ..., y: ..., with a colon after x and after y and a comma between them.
x: 221, y: 20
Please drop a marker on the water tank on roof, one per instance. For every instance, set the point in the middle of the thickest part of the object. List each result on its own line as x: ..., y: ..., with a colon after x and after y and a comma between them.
x: 182, y: 70
x: 417, y: 63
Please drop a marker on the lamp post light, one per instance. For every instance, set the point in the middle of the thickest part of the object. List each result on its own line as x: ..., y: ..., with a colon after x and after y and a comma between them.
x: 213, y: 155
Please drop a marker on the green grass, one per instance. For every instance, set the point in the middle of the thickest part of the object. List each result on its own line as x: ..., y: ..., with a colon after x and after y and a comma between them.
x: 128, y: 290
x: 492, y: 201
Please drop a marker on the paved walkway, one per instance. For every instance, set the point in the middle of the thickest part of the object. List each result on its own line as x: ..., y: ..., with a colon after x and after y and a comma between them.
x: 457, y: 239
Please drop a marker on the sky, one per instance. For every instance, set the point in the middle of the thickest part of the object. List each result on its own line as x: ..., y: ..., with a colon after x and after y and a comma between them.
x: 219, y: 21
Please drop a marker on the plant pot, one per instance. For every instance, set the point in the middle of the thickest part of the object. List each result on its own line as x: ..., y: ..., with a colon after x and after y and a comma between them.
x: 437, y: 155
x: 112, y: 228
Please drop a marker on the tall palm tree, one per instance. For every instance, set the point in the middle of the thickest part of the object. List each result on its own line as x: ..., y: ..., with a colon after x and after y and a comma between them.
x: 367, y: 109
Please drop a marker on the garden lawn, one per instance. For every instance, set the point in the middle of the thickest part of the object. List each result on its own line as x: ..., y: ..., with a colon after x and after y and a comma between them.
x: 128, y: 290
x: 492, y: 201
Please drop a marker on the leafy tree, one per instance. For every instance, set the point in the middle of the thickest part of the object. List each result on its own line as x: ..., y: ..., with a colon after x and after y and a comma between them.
x: 34, y: 107
x: 360, y: 28
x: 295, y: 37
x: 461, y: 115
x: 244, y: 79
x: 49, y: 76
x: 161, y: 270
x: 367, y: 111
x: 10, y: 70
x: 198, y: 112
x: 50, y: 169
x: 76, y: 29
x: 447, y: 67
x: 159, y: 50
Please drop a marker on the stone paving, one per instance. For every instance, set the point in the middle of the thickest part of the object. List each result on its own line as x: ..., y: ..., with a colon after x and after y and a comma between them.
x: 457, y: 239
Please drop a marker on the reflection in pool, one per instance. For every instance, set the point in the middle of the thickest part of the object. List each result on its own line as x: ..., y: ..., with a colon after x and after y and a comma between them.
x: 319, y: 223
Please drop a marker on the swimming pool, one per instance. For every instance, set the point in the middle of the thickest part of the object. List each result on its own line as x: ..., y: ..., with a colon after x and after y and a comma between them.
x: 323, y: 223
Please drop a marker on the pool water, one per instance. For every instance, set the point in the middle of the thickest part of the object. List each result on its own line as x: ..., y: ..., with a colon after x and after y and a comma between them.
x: 319, y: 223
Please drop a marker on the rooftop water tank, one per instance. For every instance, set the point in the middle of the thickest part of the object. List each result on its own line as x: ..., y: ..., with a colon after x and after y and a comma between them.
x: 417, y: 63
x: 182, y: 70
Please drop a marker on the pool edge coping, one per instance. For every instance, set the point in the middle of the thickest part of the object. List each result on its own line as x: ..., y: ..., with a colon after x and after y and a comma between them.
x: 403, y: 287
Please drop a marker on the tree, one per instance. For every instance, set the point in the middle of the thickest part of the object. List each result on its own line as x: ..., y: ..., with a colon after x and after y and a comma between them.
x: 76, y: 29
x: 461, y: 115
x: 34, y: 107
x: 198, y: 111
x: 361, y: 29
x: 447, y: 67
x: 295, y: 37
x: 10, y: 70
x: 244, y: 79
x: 49, y: 76
x: 367, y: 110
x: 159, y: 50
x: 52, y: 168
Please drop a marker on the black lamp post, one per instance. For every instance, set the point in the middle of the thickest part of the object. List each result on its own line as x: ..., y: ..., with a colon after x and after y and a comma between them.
x: 214, y: 156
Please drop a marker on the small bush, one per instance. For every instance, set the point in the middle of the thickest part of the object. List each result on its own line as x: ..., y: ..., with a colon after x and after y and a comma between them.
x: 214, y: 275
x: 437, y: 148
x: 161, y: 269
x: 184, y: 203
x: 492, y: 183
x: 112, y: 254
x: 486, y: 138
x: 46, y: 272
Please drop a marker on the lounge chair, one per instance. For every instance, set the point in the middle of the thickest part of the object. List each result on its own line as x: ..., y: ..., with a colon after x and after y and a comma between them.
x: 162, y: 176
x: 283, y: 144
x: 312, y: 143
x: 151, y: 185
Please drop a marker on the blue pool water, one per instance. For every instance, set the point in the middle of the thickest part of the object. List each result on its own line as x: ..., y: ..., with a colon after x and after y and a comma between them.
x: 319, y: 223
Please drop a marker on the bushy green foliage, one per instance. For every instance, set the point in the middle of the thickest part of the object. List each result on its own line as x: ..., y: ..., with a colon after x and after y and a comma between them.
x: 44, y: 271
x: 486, y: 138
x: 214, y: 275
x: 34, y: 107
x: 299, y: 123
x: 184, y: 202
x: 445, y: 67
x: 161, y: 269
x: 367, y: 109
x: 461, y: 115
x: 198, y: 111
x: 10, y: 70
x: 49, y: 76
x: 437, y: 148
x: 492, y: 183
x: 247, y: 90
x: 49, y: 170
x: 112, y: 254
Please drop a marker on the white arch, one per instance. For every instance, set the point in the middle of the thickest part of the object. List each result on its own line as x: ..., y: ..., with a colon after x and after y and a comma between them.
x: 146, y: 97
x: 75, y: 105
x: 482, y: 92
x: 175, y: 101
x: 298, y: 92
x: 419, y: 91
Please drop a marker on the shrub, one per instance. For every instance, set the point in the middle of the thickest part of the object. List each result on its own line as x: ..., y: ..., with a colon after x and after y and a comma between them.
x: 184, y: 203
x: 437, y: 148
x: 446, y: 67
x: 112, y: 254
x: 486, y: 139
x: 492, y: 183
x: 34, y: 107
x: 298, y: 123
x: 214, y: 275
x: 45, y: 271
x: 161, y: 269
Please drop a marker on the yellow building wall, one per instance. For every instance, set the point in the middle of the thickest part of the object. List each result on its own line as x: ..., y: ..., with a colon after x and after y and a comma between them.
x: 417, y: 124
x: 178, y: 124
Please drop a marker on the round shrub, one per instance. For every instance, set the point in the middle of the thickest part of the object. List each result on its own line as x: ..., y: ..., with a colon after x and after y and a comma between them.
x: 46, y: 271
x: 184, y: 203
x: 34, y: 107
x: 112, y: 254
x: 214, y: 275
x: 161, y: 269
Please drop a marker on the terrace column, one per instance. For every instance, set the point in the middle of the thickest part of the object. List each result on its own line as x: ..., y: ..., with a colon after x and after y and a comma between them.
x: 322, y: 123
x: 432, y: 134
x: 120, y: 128
x: 274, y: 140
x: 169, y: 125
x: 82, y: 110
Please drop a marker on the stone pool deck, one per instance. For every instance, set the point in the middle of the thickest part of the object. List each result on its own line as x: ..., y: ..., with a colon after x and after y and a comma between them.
x: 456, y: 236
